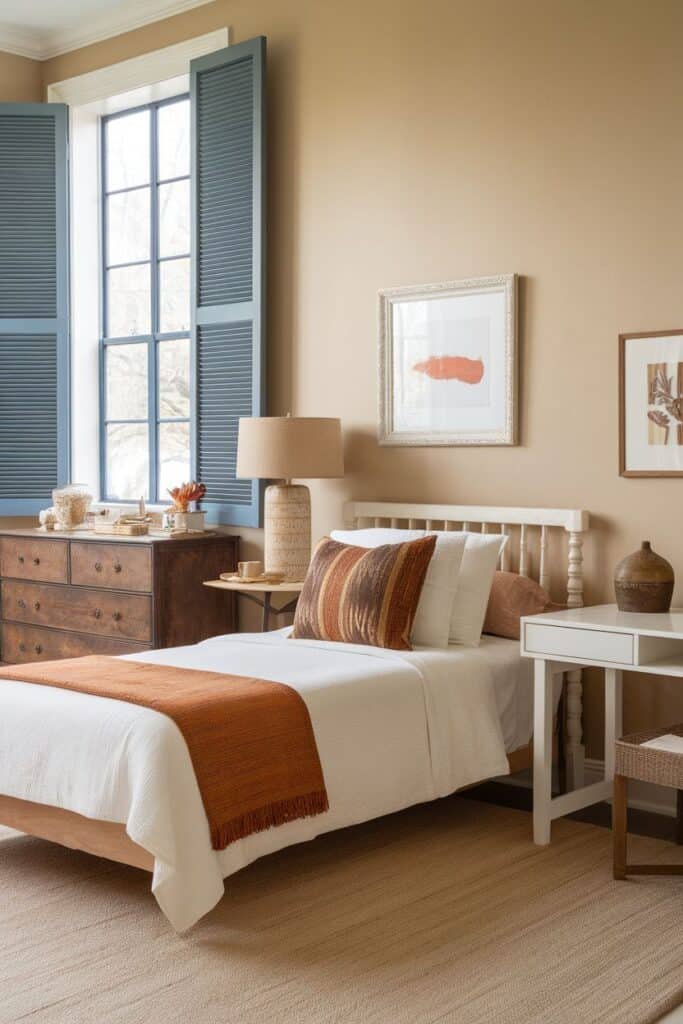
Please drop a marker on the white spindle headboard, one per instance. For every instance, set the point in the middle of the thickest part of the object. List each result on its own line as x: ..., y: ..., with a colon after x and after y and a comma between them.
x: 535, y: 528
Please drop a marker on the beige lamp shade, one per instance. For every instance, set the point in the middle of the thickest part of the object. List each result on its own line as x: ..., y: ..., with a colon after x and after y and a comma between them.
x: 289, y: 447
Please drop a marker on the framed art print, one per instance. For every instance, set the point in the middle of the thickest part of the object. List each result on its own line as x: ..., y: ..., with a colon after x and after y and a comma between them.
x: 651, y: 403
x: 448, y: 363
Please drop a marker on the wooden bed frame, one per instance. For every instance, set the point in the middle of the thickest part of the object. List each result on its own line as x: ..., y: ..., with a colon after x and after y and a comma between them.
x: 110, y: 840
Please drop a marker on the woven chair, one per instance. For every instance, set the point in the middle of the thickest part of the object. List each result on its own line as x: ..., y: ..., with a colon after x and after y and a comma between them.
x: 664, y: 768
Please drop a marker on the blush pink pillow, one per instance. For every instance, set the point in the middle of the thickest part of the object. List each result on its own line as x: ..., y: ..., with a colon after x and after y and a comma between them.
x: 511, y: 597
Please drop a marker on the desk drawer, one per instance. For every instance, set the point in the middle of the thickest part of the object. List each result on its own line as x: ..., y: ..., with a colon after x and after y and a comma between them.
x: 32, y: 558
x: 589, y: 644
x: 115, y: 566
x: 126, y: 616
x: 20, y: 644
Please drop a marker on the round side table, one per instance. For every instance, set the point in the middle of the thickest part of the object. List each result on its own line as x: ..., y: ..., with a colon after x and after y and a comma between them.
x: 262, y: 595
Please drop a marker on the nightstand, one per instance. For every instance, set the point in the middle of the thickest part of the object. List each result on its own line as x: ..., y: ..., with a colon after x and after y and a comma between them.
x: 262, y: 595
x: 603, y: 637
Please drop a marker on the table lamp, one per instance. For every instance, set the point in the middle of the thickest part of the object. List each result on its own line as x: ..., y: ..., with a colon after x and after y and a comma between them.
x: 285, y: 448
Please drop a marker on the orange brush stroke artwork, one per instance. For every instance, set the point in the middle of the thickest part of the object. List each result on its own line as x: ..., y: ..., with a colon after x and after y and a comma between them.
x: 467, y: 371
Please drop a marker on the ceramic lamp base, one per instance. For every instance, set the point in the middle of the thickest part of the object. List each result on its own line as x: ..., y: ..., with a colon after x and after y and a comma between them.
x: 287, y: 543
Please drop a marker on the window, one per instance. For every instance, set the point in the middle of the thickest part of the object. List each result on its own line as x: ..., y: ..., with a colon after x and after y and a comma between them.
x: 147, y: 373
x: 145, y: 350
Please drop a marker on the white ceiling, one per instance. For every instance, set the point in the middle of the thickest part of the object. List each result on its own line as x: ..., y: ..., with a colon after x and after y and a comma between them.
x: 46, y: 28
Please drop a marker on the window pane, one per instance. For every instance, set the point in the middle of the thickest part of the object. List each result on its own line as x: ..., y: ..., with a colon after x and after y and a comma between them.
x: 128, y: 301
x: 175, y: 296
x: 128, y: 225
x: 127, y: 461
x: 174, y: 139
x: 127, y: 150
x: 126, y: 378
x: 174, y: 219
x: 174, y: 456
x: 174, y: 378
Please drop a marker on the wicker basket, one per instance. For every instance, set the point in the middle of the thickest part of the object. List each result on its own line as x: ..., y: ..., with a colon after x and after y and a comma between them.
x: 648, y: 764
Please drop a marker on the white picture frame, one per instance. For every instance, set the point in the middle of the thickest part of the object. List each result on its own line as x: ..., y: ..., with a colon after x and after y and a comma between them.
x: 448, y: 363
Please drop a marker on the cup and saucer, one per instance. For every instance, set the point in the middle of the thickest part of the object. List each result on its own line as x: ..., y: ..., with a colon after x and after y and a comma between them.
x: 252, y: 572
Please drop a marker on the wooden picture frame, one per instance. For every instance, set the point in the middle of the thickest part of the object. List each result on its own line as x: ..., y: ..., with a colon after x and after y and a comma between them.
x: 448, y: 363
x: 641, y: 369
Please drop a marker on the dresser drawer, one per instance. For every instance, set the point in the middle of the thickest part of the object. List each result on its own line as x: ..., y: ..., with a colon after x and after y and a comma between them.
x: 32, y: 558
x: 115, y: 566
x: 126, y: 616
x: 593, y: 645
x: 32, y: 643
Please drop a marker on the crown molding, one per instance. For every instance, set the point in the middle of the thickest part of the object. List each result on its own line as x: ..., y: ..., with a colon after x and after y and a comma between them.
x: 20, y: 42
x: 44, y: 45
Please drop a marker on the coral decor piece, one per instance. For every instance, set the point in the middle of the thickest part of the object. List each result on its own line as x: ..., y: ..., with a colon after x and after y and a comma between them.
x: 184, y: 495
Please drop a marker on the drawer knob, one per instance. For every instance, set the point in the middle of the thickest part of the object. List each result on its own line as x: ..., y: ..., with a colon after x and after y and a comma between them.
x: 97, y: 613
x: 98, y: 567
x: 22, y: 648
x: 117, y: 567
x: 20, y: 559
x: 21, y: 602
x: 36, y: 561
x: 38, y: 649
x: 37, y: 606
x: 117, y: 616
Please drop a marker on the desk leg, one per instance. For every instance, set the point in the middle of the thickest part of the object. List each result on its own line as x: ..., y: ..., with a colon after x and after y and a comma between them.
x: 543, y: 750
x: 613, y: 717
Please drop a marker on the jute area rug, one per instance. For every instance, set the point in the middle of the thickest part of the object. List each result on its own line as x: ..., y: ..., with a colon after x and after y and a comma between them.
x: 443, y: 913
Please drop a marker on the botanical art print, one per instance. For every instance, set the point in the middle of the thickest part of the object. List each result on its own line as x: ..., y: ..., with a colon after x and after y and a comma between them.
x: 665, y: 403
x: 448, y: 363
x: 651, y: 404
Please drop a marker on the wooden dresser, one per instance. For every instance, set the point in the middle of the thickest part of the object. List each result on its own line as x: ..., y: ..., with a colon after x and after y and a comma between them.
x: 61, y: 597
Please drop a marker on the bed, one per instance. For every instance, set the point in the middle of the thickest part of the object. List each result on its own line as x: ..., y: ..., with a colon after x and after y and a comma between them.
x: 393, y: 728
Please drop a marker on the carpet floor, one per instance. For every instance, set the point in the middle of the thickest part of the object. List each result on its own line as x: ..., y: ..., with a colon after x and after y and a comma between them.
x: 444, y: 913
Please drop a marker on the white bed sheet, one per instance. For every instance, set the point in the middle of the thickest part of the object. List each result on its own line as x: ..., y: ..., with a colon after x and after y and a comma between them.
x: 513, y: 684
x: 393, y: 729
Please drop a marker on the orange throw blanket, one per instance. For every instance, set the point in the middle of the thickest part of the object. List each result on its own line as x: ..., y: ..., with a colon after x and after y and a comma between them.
x: 251, y: 741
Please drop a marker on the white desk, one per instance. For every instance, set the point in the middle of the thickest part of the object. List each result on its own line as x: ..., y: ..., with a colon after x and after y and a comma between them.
x: 603, y: 637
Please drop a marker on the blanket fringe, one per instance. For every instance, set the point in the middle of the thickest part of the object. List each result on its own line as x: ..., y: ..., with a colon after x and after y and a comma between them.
x: 278, y: 813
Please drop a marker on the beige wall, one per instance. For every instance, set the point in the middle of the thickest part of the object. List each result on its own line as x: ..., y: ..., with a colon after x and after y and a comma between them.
x: 20, y: 79
x: 446, y: 139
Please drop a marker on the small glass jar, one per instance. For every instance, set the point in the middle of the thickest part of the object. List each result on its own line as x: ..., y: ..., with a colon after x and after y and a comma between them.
x: 71, y: 504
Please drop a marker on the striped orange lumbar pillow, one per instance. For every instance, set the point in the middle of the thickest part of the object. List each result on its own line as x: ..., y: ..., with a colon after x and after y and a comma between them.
x: 363, y: 595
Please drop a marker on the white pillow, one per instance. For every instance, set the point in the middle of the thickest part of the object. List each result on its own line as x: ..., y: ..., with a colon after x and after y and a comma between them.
x: 474, y: 586
x: 433, y: 616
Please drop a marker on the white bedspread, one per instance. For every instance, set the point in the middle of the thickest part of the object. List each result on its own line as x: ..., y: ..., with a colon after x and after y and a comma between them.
x: 392, y: 728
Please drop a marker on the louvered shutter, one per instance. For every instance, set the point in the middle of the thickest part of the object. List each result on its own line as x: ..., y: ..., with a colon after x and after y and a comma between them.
x: 228, y: 274
x: 34, y: 318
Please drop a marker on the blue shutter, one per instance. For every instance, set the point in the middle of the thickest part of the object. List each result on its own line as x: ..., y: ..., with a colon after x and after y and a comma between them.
x: 34, y: 316
x: 228, y: 272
